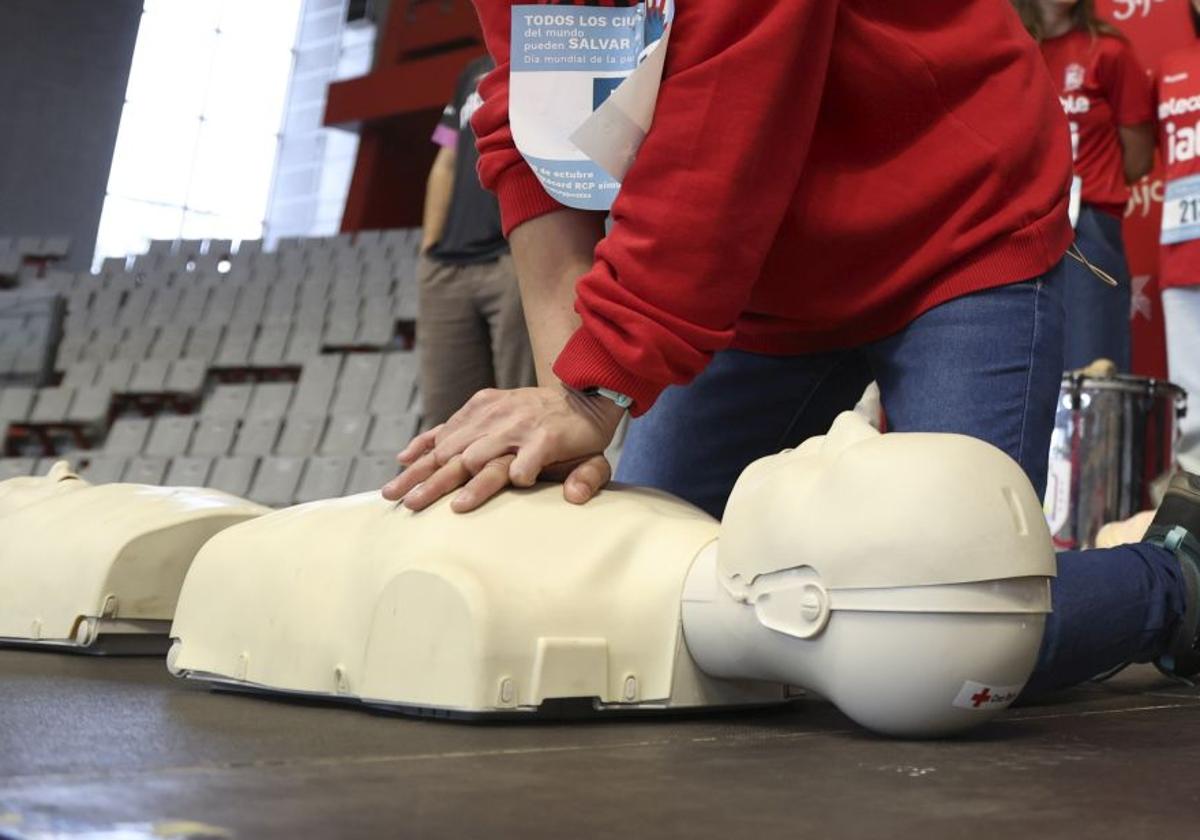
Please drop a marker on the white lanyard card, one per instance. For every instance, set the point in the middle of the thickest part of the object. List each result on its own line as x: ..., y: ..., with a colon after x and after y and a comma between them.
x: 583, y: 82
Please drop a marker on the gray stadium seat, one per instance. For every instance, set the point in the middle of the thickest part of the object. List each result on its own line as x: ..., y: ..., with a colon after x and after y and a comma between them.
x: 127, y: 436
x: 270, y: 345
x: 145, y: 470
x: 346, y: 434
x: 171, y: 436
x: 150, y: 377
x: 55, y: 247
x: 370, y: 472
x: 91, y: 405
x: 228, y: 401
x: 51, y: 405
x: 235, y: 346
x: 270, y: 399
x: 324, y: 478
x: 101, y: 348
x: 136, y: 343
x: 188, y: 472
x: 357, y: 383
x: 194, y: 303
x: 250, y: 305
x: 304, y: 344
x: 233, y: 475
x: 314, y: 291
x: 171, y: 341
x: 16, y: 467
x: 257, y: 436
x: 105, y: 307
x: 317, y: 381
x: 277, y: 480
x: 164, y: 305
x: 364, y: 239
x: 301, y: 434
x: 101, y: 469
x: 116, y: 375
x: 16, y: 403
x: 214, y: 436
x: 341, y: 330
x: 377, y: 284
x: 377, y: 326
x: 137, y: 305
x: 203, y: 342
x: 249, y: 247
x: 187, y: 376
x: 397, y: 381
x: 81, y: 374
x: 390, y: 433
x: 222, y: 303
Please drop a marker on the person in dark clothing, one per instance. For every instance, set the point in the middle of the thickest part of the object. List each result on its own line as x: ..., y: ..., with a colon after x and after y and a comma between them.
x: 471, y: 327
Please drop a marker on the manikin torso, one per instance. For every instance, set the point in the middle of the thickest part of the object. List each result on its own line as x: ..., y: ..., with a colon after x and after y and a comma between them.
x: 903, y: 576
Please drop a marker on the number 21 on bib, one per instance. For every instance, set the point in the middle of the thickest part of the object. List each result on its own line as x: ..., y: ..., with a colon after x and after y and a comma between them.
x: 1181, y: 211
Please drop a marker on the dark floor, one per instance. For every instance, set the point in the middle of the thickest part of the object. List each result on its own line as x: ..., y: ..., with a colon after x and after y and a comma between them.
x: 116, y: 748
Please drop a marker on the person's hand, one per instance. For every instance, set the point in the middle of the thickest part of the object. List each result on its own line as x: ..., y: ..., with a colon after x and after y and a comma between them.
x: 510, y: 437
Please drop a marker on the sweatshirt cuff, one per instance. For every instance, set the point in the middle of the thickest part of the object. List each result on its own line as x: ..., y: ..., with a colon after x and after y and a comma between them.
x: 584, y: 363
x: 522, y: 197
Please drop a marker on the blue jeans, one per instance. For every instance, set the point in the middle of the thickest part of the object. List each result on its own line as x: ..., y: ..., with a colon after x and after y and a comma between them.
x: 1097, y: 323
x: 987, y: 365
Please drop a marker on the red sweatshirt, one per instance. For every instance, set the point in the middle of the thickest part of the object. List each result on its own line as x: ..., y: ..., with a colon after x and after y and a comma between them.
x: 818, y: 174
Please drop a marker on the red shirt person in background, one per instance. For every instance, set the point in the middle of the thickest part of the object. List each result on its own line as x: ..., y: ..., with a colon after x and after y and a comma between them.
x: 1179, y: 257
x: 1107, y: 97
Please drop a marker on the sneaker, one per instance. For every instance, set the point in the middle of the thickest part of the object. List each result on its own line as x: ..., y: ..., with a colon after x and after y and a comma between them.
x: 1176, y: 527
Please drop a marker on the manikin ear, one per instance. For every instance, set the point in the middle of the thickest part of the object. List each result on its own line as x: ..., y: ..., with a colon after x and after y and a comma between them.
x: 61, y: 471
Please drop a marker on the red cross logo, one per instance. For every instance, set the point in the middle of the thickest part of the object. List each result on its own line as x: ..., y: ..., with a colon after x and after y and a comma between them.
x: 981, y: 697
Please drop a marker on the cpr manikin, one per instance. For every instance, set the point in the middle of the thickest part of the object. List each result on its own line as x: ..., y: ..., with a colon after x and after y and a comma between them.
x: 98, y: 568
x: 903, y: 576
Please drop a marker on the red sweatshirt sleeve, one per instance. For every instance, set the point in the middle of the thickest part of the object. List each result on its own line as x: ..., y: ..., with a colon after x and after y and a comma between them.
x: 701, y: 206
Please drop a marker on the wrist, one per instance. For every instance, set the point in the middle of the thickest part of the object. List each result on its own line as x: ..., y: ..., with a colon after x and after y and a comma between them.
x: 605, y: 409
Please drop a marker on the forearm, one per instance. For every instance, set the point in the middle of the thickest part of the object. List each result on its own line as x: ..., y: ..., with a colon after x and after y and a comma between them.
x: 438, y: 187
x: 551, y: 253
x: 1137, y: 150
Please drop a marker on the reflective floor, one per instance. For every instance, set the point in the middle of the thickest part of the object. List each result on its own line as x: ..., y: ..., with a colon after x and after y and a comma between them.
x: 119, y: 750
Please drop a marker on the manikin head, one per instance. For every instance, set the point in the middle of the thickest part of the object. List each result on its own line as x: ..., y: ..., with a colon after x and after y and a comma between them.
x: 903, y: 576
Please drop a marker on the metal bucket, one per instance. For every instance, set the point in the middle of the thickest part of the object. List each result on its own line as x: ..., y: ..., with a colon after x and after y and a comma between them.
x: 1113, y: 438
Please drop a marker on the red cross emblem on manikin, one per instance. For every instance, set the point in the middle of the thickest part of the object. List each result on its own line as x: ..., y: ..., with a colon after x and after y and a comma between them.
x: 981, y: 697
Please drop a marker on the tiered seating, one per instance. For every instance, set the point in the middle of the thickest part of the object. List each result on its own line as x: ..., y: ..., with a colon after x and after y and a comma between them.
x: 26, y: 257
x: 283, y: 376
x: 30, y: 323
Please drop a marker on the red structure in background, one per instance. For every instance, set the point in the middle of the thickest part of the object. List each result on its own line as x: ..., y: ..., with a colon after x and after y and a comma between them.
x: 423, y: 47
x: 1155, y: 28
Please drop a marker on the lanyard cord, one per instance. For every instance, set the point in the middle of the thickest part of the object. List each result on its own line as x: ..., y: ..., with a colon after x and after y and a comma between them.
x: 1074, y: 253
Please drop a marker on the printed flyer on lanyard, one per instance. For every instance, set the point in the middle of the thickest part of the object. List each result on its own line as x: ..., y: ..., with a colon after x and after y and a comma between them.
x: 583, y: 82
